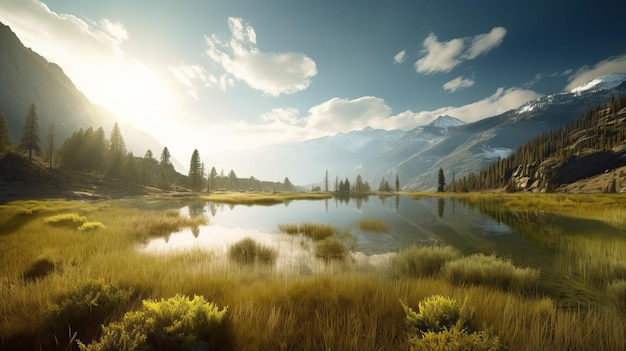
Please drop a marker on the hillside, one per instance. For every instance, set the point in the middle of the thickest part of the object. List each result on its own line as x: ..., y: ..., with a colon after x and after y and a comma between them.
x: 28, y: 78
x: 588, y: 155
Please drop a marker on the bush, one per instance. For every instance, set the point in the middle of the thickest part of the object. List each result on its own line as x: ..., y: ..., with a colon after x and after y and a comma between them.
x: 86, y: 308
x: 90, y: 226
x: 442, y: 324
x: 248, y: 251
x: 490, y: 270
x: 163, y: 325
x: 455, y: 340
x: 438, y: 313
x: 330, y: 248
x: 65, y: 219
x: 425, y: 261
x: 41, y: 268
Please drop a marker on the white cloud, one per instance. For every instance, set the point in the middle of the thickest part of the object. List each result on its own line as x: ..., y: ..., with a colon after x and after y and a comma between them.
x: 400, y: 57
x: 444, y: 56
x: 585, y: 74
x: 269, y: 72
x: 440, y: 56
x: 191, y: 76
x: 346, y: 115
x: 483, y: 43
x: 457, y: 84
x: 282, y: 116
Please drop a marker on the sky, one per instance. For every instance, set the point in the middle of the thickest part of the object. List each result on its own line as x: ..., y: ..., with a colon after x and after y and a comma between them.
x: 221, y: 75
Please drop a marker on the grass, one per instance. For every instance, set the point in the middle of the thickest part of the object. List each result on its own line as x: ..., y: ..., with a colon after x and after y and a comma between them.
x: 314, y: 231
x: 263, y: 198
x: 373, y: 225
x: 422, y: 261
x: 351, y: 308
x: 247, y: 252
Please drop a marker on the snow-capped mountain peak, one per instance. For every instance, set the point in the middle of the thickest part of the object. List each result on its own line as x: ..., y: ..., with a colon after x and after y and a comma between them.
x: 607, y: 81
x: 446, y: 122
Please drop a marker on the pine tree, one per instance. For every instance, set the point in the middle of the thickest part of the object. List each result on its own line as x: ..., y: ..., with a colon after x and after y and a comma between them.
x: 5, y: 137
x: 117, y: 151
x: 165, y: 157
x: 441, y: 181
x: 397, y: 183
x: 29, y: 142
x: 195, y: 171
x: 326, y: 182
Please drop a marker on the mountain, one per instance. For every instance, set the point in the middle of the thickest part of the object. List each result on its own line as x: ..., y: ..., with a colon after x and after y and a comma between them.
x: 27, y: 78
x: 474, y: 146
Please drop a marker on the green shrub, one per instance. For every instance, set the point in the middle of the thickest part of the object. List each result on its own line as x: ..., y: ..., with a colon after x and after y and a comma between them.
x: 65, y: 219
x: 455, y: 340
x: 163, y: 325
x: 424, y: 261
x: 331, y: 248
x: 91, y: 226
x: 490, y: 270
x: 248, y: 251
x: 86, y: 308
x: 437, y: 313
x: 41, y: 268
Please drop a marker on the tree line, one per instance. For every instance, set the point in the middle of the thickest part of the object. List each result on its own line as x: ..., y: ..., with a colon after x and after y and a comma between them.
x: 599, y: 129
x: 357, y: 187
x: 89, y: 150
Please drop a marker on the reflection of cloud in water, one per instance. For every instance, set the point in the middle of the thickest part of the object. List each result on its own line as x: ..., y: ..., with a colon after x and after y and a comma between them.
x: 294, y: 251
x: 492, y: 227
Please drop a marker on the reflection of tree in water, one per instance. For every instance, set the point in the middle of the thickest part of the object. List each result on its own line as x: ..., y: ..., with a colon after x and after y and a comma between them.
x: 212, y: 209
x: 397, y: 202
x: 441, y: 204
x: 196, y: 209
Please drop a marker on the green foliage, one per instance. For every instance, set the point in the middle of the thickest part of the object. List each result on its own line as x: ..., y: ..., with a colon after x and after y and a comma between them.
x: 163, y: 325
x: 196, y: 175
x: 90, y: 226
x: 438, y: 313
x: 29, y: 142
x: 248, y: 251
x: 443, y: 324
x: 455, y: 340
x: 424, y: 261
x: 490, y: 270
x: 86, y: 308
x: 5, y: 135
x: 64, y: 219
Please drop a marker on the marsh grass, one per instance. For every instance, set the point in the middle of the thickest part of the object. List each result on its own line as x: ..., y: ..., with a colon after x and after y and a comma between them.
x: 490, y: 270
x: 247, y: 251
x: 90, y: 226
x: 69, y: 219
x: 373, y: 225
x: 263, y: 198
x: 422, y: 261
x: 348, y: 309
x: 314, y: 231
x: 330, y: 248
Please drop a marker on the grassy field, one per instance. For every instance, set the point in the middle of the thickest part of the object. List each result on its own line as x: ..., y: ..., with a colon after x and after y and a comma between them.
x: 263, y: 198
x: 58, y: 284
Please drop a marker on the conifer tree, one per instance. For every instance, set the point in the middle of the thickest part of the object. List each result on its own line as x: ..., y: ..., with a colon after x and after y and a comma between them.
x: 165, y: 157
x: 29, y: 142
x: 397, y: 183
x: 441, y: 181
x: 195, y: 171
x: 5, y: 137
x: 117, y: 150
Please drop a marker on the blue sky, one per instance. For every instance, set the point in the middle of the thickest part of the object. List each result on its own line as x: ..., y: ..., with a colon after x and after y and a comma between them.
x: 217, y: 75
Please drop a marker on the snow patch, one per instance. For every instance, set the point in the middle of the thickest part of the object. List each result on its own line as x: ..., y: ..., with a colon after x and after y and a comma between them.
x: 608, y: 81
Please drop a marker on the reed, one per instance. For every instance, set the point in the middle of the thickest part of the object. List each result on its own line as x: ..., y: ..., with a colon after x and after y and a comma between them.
x: 373, y: 225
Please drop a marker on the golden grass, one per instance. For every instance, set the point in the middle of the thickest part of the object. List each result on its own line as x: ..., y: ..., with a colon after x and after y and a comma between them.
x: 373, y: 225
x: 263, y: 198
x: 343, y: 309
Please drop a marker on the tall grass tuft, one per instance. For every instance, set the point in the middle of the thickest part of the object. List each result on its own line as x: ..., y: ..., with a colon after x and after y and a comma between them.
x: 90, y: 226
x: 373, y: 225
x: 617, y: 291
x: 425, y: 261
x: 331, y: 248
x: 247, y: 251
x: 490, y: 270
x: 65, y: 219
x: 39, y: 269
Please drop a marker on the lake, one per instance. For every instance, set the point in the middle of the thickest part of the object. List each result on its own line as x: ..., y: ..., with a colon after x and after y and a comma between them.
x: 554, y: 244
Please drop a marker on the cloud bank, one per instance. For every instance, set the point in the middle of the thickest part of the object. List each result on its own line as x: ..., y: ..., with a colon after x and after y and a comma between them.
x: 444, y: 56
x: 270, y: 72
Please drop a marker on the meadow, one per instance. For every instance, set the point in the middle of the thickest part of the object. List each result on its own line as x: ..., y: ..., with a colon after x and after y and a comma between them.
x: 59, y: 284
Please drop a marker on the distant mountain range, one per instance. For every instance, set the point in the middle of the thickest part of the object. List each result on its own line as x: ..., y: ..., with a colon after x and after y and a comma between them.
x: 446, y: 143
x: 27, y: 78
